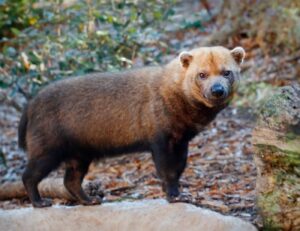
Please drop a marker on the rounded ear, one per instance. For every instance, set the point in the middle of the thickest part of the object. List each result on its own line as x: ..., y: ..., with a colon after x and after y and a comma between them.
x: 238, y: 54
x: 185, y: 58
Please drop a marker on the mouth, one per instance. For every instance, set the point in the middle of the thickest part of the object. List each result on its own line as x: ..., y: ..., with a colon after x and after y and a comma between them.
x: 216, y: 101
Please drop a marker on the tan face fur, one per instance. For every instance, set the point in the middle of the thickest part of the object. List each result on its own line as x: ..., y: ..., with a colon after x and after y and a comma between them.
x: 211, y: 74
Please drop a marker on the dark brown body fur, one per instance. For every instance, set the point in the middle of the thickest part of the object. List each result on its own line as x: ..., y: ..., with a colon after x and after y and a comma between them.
x: 81, y: 119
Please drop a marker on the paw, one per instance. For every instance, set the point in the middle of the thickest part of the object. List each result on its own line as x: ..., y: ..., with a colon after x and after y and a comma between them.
x: 42, y: 203
x: 179, y: 198
x: 172, y: 192
x: 92, y: 201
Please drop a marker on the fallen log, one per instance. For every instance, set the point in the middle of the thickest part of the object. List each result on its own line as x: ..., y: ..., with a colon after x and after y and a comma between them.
x: 49, y: 187
x: 276, y: 139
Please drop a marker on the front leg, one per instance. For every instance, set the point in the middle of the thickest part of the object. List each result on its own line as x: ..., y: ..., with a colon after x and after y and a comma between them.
x: 170, y: 161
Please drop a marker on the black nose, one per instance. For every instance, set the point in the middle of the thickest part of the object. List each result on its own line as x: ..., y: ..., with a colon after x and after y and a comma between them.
x: 217, y: 90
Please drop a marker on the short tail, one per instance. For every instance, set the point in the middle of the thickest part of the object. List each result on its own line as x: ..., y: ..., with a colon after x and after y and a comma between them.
x: 22, y: 129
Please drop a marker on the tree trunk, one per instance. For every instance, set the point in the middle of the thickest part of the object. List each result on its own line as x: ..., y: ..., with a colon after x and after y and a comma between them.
x: 276, y: 139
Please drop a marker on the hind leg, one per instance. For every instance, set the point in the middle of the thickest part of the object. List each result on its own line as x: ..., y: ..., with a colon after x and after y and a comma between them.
x: 37, y: 169
x: 75, y: 172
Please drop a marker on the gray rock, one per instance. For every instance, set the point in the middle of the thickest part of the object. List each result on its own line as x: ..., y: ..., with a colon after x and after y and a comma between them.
x: 143, y: 215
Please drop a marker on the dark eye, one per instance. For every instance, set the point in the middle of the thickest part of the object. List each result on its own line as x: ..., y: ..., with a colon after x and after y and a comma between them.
x: 226, y: 73
x: 202, y: 75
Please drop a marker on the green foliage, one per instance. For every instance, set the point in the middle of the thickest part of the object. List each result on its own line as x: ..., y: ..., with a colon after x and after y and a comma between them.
x: 194, y: 22
x: 60, y: 39
x: 16, y: 15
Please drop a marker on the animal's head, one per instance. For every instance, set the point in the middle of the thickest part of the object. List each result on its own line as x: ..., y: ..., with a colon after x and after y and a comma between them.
x: 211, y: 74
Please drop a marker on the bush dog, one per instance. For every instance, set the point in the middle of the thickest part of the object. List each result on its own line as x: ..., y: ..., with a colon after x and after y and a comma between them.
x: 156, y: 109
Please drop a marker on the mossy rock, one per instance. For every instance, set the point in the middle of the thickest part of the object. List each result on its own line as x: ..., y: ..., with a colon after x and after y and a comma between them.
x: 281, y: 112
x: 276, y: 141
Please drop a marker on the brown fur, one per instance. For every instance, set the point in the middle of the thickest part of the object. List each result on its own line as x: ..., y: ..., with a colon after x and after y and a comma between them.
x: 157, y: 109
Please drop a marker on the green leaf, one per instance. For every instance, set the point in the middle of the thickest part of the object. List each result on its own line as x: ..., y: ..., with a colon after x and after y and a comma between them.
x: 193, y: 24
x: 15, y: 31
x: 157, y: 15
x: 4, y: 85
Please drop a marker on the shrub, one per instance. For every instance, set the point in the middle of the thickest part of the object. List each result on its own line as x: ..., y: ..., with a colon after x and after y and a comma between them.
x: 58, y: 39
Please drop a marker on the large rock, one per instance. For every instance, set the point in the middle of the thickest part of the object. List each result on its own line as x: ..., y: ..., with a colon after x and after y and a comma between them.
x: 277, y: 155
x: 127, y: 216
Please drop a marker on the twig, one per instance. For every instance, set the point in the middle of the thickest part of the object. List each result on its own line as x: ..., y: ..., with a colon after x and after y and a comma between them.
x: 117, y: 190
x: 21, y: 90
